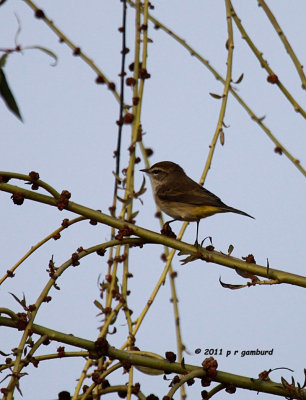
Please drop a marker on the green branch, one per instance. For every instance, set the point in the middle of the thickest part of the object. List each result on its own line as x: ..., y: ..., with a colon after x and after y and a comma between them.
x: 282, y: 36
x: 153, y: 237
x: 219, y: 77
x: 102, y: 78
x: 163, y: 365
x: 264, y: 64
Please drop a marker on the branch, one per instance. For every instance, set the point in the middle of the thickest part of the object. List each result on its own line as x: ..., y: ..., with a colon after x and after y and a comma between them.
x: 296, y: 62
x: 226, y: 378
x: 219, y: 77
x: 227, y: 84
x: 101, y: 77
x: 264, y: 64
x: 53, y: 235
x: 153, y: 237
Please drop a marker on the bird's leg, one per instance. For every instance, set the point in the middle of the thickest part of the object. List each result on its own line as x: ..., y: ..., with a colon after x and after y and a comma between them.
x: 196, y: 243
x: 166, y: 229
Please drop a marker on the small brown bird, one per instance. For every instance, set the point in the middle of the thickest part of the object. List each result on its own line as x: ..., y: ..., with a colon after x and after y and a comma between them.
x: 182, y: 198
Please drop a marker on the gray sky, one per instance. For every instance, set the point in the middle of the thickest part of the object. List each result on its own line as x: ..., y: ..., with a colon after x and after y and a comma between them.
x: 69, y: 135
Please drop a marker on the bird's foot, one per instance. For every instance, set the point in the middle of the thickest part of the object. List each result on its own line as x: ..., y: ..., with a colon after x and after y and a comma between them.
x: 197, y: 245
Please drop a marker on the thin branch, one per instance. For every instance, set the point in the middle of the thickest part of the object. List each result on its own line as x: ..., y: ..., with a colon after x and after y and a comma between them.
x: 46, y: 357
x: 230, y: 47
x: 172, y: 276
x: 265, y: 64
x: 121, y: 108
x: 10, y: 272
x: 101, y: 77
x: 153, y: 237
x: 28, y: 179
x: 215, y: 390
x: 183, y: 379
x: 282, y: 36
x: 244, y: 382
x: 219, y: 77
x: 212, y: 147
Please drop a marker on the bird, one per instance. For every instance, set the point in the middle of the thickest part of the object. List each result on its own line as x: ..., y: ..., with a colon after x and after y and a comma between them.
x: 183, y: 199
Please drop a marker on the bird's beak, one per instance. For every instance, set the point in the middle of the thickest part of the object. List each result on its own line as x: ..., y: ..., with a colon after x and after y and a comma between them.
x: 146, y: 170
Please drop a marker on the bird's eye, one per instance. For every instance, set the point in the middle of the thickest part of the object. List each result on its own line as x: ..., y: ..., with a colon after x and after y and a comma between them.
x: 156, y: 171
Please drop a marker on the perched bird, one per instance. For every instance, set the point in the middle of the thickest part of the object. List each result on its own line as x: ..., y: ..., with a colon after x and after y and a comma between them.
x: 182, y: 198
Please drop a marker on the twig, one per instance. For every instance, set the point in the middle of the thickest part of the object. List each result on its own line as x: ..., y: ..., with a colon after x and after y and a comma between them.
x: 216, y: 74
x: 101, y: 77
x: 135, y: 359
x: 153, y: 237
x: 11, y: 271
x: 282, y: 36
x: 265, y: 64
x: 230, y: 47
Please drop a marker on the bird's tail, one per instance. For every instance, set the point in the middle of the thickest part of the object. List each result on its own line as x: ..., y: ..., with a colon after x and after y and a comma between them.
x: 236, y: 211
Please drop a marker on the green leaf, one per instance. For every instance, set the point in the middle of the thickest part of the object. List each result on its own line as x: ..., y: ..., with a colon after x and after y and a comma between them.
x: 3, y: 60
x: 230, y: 249
x: 98, y: 305
x: 239, y: 79
x: 268, y: 267
x: 134, y: 214
x: 21, y: 302
x: 188, y: 259
x: 230, y: 286
x: 47, y: 51
x: 216, y: 96
x: 7, y: 95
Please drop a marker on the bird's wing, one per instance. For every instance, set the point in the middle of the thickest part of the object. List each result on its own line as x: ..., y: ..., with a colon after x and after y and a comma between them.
x: 196, y: 195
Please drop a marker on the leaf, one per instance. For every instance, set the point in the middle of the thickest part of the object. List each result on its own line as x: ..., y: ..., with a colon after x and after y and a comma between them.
x: 5, y: 378
x: 189, y: 259
x: 230, y: 249
x: 98, y: 305
x: 18, y: 385
x: 207, y: 237
x: 47, y: 51
x: 148, y: 370
x: 7, y: 95
x: 182, y: 253
x: 123, y: 200
x: 142, y: 188
x: 18, y: 31
x: 239, y: 79
x: 216, y: 96
x: 134, y: 214
x: 285, y: 383
x: 247, y: 275
x: 304, y: 385
x: 259, y: 119
x: 230, y: 286
x: 222, y: 139
x: 21, y: 302
x: 3, y: 60
x: 242, y: 273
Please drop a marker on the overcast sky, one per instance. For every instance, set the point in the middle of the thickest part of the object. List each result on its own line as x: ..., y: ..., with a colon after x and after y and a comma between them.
x: 69, y: 135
